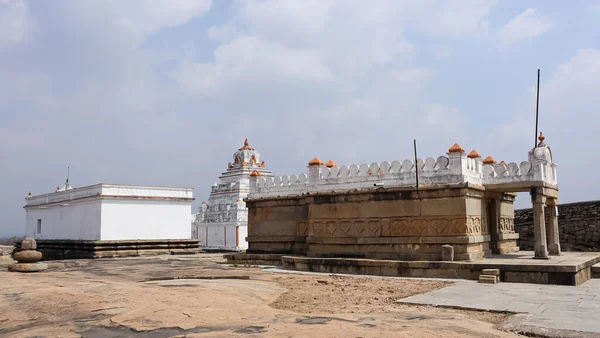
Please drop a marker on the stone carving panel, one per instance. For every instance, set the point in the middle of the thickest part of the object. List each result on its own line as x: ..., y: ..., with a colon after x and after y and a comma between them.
x: 405, y: 226
x: 507, y: 224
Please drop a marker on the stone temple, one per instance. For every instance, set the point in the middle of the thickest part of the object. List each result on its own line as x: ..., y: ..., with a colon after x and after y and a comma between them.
x: 350, y: 218
x: 221, y: 224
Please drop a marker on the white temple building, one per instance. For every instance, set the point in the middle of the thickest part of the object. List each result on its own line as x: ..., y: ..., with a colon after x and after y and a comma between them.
x: 222, y: 223
x: 110, y: 212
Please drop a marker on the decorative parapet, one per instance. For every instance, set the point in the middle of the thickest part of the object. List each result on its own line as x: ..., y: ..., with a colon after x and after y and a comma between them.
x: 539, y: 169
x: 455, y: 168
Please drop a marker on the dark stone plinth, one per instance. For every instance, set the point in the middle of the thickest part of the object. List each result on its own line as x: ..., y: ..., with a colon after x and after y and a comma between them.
x: 254, y: 259
x: 83, y: 249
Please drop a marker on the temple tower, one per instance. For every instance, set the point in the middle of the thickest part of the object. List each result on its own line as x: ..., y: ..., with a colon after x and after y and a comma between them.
x: 222, y: 223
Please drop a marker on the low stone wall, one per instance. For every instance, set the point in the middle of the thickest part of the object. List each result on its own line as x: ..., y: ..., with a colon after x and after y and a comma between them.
x: 579, y: 225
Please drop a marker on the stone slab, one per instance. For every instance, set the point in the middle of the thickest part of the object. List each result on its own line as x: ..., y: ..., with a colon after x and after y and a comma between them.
x: 492, y: 272
x: 488, y: 279
x: 565, y: 311
x: 571, y: 268
x: 28, y: 267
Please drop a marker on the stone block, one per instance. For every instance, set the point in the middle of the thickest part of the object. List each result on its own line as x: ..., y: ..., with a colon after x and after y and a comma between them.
x: 447, y: 252
x: 28, y: 267
x: 492, y: 272
x: 488, y: 279
x: 28, y: 244
x: 27, y: 256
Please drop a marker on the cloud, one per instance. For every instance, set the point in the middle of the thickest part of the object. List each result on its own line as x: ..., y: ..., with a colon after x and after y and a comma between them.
x: 527, y: 25
x: 455, y: 18
x: 16, y: 23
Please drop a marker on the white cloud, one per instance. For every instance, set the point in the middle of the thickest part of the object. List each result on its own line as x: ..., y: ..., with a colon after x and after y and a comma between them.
x: 458, y: 18
x: 16, y: 23
x: 529, y: 24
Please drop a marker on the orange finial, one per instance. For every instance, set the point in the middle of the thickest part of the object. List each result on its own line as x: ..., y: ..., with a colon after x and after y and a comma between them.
x: 330, y: 164
x: 502, y: 162
x: 262, y: 164
x: 316, y: 161
x: 489, y: 160
x: 229, y: 165
x: 473, y: 154
x: 244, y: 164
x: 255, y: 173
x: 246, y: 146
x: 456, y: 148
x: 541, y: 138
x: 203, y: 202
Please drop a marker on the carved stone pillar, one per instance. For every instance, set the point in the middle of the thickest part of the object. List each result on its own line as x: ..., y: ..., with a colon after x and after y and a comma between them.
x: 539, y: 225
x: 552, y: 228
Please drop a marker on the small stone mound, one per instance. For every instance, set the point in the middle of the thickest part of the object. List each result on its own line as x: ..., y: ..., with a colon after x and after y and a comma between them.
x: 28, y: 259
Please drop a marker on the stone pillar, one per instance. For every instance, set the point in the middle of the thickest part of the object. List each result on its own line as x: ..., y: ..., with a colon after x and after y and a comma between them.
x: 552, y: 228
x: 494, y: 225
x: 539, y: 225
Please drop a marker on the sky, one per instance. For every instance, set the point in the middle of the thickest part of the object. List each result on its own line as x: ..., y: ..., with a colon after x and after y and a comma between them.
x: 164, y: 92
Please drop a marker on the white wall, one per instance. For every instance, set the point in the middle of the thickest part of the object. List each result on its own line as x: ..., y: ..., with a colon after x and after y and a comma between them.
x: 145, y: 219
x: 218, y: 236
x: 74, y: 220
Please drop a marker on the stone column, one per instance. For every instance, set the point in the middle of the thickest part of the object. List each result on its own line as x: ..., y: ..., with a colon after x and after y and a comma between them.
x: 552, y: 228
x: 539, y: 225
x: 494, y: 225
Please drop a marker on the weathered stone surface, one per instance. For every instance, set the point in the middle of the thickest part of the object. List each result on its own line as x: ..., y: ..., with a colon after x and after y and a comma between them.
x: 27, y: 256
x: 550, y: 309
x: 28, y: 244
x: 28, y: 267
x: 382, y: 224
x: 488, y: 279
x: 447, y: 252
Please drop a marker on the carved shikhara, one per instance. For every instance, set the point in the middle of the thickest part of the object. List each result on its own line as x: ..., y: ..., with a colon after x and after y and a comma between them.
x: 399, y: 226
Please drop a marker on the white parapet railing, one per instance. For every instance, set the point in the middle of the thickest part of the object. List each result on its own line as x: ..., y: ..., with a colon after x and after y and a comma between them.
x: 456, y: 167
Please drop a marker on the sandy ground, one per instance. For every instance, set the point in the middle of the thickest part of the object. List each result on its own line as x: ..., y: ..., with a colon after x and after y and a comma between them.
x: 111, y: 298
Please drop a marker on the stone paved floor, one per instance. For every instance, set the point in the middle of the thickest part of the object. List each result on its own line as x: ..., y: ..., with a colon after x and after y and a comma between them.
x: 554, y: 307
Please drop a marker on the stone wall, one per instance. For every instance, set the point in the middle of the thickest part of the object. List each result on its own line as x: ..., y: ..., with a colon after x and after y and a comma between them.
x: 579, y: 225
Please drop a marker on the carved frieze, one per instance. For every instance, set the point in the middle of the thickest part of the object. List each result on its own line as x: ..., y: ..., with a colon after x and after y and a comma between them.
x: 404, y: 226
x: 507, y: 224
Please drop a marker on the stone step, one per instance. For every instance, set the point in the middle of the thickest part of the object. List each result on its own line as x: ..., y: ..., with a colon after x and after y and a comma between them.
x: 596, y: 270
x: 492, y: 272
x: 488, y: 279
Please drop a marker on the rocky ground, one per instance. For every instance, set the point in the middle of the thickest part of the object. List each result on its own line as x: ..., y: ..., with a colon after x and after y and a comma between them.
x: 137, y: 297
